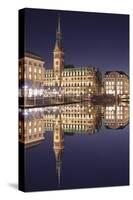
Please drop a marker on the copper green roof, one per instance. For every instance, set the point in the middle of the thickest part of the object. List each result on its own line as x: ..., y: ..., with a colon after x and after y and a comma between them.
x: 73, y: 69
x: 49, y: 70
x: 79, y: 68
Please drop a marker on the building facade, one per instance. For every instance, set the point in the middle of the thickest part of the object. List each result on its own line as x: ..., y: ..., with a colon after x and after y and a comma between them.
x: 77, y: 118
x: 116, y: 116
x: 31, y: 127
x: 116, y: 83
x: 37, y: 82
x: 75, y: 81
x: 31, y: 77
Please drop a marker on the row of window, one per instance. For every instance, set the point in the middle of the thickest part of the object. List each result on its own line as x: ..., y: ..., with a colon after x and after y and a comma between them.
x: 113, y: 86
x: 32, y: 77
x: 74, y: 126
x: 81, y: 116
x: 34, y: 130
x: 27, y: 63
x: 31, y: 69
x: 113, y: 117
x: 31, y: 137
x: 69, y: 84
x: 70, y: 76
x: 76, y: 91
x: 114, y: 75
x: 76, y: 73
x: 35, y: 70
x: 29, y: 123
x: 32, y: 123
x: 112, y: 91
x: 113, y: 83
x: 113, y: 112
x: 49, y: 75
x: 75, y: 109
x: 74, y: 84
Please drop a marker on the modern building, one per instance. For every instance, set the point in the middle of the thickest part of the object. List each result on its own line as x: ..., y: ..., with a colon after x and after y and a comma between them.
x: 116, y: 83
x: 31, y: 78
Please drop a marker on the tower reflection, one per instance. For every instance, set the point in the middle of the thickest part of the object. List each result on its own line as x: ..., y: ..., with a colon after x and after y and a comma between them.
x: 58, y: 145
x: 80, y: 118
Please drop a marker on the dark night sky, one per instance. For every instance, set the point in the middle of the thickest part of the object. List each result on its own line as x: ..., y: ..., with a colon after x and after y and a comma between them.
x: 98, y: 39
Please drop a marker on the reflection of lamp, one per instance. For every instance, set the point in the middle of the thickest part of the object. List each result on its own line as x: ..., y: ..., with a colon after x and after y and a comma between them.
x: 41, y: 92
x: 25, y: 86
x: 30, y: 93
x: 35, y: 92
x: 25, y: 112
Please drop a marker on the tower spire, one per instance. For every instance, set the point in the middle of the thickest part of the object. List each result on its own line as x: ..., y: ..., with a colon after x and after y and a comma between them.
x: 58, y: 43
x: 58, y: 54
x: 59, y: 30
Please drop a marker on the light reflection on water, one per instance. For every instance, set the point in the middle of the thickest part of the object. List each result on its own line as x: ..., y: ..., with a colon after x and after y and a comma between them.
x: 52, y: 126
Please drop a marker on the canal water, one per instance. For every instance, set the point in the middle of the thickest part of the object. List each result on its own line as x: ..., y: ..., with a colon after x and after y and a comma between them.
x: 83, y: 146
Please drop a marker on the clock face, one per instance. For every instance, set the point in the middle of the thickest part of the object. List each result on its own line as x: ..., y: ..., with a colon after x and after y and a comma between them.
x: 57, y: 55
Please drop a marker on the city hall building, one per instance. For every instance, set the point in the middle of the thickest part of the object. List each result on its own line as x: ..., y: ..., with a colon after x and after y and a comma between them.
x: 73, y: 81
x: 36, y: 82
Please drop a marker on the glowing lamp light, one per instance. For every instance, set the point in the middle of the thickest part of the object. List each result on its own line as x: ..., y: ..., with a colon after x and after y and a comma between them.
x: 30, y: 92
x: 35, y: 92
x: 25, y: 112
x: 110, y: 108
x: 25, y: 86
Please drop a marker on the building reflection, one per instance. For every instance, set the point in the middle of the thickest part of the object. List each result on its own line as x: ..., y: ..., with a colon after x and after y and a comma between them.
x: 78, y: 118
x: 58, y: 145
x: 116, y: 116
x: 31, y: 131
x: 70, y: 119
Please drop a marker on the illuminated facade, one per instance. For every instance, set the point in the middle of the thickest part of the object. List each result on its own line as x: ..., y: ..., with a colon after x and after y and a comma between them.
x: 37, y: 82
x: 116, y: 83
x: 31, y: 77
x: 77, y: 118
x: 73, y: 81
x: 116, y: 116
x: 31, y: 128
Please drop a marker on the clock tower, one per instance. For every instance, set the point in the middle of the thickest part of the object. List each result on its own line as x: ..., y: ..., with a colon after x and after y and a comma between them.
x: 58, y: 56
